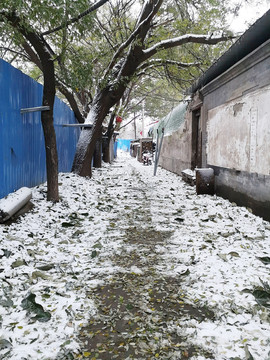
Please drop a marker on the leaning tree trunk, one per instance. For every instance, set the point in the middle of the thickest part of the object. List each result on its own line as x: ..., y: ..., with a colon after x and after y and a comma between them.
x: 97, y: 163
x: 102, y: 103
x: 110, y: 95
x: 107, y: 140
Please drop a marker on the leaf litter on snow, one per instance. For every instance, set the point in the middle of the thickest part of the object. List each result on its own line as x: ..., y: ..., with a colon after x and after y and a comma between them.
x: 55, y: 258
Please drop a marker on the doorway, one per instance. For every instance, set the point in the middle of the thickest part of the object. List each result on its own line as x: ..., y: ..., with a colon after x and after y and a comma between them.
x: 196, y: 155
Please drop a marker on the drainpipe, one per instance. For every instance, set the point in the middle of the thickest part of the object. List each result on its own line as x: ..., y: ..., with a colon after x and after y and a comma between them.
x: 13, y: 203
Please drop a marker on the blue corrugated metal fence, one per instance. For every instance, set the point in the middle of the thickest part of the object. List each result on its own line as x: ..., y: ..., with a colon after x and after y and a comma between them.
x: 22, y: 153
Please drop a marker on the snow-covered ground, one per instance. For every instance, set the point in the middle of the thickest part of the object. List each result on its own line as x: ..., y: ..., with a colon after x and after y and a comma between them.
x: 54, y: 255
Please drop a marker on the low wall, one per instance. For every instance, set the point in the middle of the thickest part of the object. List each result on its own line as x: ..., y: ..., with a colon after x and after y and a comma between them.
x: 175, y: 154
x: 245, y: 189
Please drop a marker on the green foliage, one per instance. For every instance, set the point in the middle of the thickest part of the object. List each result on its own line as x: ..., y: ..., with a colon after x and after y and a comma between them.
x: 84, y: 49
x: 29, y: 304
x: 164, y: 86
x: 35, y: 73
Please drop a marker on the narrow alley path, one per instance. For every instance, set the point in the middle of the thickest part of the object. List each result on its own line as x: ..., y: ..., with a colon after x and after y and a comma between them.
x: 132, y: 266
x: 143, y: 308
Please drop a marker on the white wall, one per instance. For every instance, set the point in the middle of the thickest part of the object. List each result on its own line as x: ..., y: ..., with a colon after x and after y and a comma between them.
x: 238, y: 133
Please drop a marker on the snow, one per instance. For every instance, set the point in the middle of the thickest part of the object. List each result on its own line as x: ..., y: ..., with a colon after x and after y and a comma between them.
x: 61, y: 252
x: 180, y: 40
x: 14, y: 202
x: 189, y: 172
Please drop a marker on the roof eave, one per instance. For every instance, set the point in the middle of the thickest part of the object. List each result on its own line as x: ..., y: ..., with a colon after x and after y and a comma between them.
x: 255, y: 36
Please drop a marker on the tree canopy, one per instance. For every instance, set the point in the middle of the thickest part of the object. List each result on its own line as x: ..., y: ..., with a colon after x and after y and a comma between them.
x: 117, y: 55
x: 20, y: 20
x: 82, y: 43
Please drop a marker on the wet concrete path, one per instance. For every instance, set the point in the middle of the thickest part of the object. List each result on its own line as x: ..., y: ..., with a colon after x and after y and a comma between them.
x: 172, y: 288
x: 140, y: 307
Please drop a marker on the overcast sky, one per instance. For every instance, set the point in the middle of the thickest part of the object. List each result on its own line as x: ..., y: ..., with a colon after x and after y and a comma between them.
x: 248, y: 14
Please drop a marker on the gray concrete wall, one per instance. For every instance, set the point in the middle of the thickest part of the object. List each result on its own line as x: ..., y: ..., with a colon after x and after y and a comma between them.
x: 236, y: 118
x: 175, y: 154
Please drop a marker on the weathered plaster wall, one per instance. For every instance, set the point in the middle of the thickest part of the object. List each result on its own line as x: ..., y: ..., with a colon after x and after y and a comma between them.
x: 236, y: 115
x: 238, y: 133
x: 175, y: 155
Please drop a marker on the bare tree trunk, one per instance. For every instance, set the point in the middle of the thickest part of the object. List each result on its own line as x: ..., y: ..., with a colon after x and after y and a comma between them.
x: 72, y: 102
x: 97, y: 163
x: 102, y: 103
x: 47, y: 116
x: 110, y: 95
x: 49, y: 132
x: 47, y: 64
x: 106, y: 151
x: 109, y: 134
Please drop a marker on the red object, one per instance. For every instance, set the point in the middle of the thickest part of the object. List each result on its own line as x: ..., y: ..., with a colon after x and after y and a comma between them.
x: 118, y: 119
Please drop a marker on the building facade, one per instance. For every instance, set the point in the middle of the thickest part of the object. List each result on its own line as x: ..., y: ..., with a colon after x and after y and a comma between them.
x: 227, y: 123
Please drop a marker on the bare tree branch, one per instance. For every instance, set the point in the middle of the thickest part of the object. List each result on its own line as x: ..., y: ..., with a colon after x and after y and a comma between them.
x: 15, y: 52
x: 185, y: 39
x: 72, y: 102
x: 164, y: 62
x: 77, y: 18
x: 105, y: 32
x: 134, y: 118
x: 140, y: 26
x: 32, y: 55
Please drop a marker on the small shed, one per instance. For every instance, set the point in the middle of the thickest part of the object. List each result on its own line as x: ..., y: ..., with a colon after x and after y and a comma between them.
x: 134, y: 145
x: 145, y: 144
x: 139, y: 146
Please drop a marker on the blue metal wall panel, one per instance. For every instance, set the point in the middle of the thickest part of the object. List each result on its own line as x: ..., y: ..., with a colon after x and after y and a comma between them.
x: 22, y: 152
x: 123, y: 144
x: 67, y: 137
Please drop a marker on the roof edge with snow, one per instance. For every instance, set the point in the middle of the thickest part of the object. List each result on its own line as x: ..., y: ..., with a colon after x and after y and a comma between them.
x: 254, y: 37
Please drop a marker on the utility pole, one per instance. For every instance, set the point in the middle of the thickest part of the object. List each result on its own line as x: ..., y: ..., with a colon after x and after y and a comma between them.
x: 143, y: 108
x: 158, y: 150
x: 135, y: 132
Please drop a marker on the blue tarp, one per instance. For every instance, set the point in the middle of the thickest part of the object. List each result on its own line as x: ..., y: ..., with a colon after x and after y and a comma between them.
x: 123, y: 144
